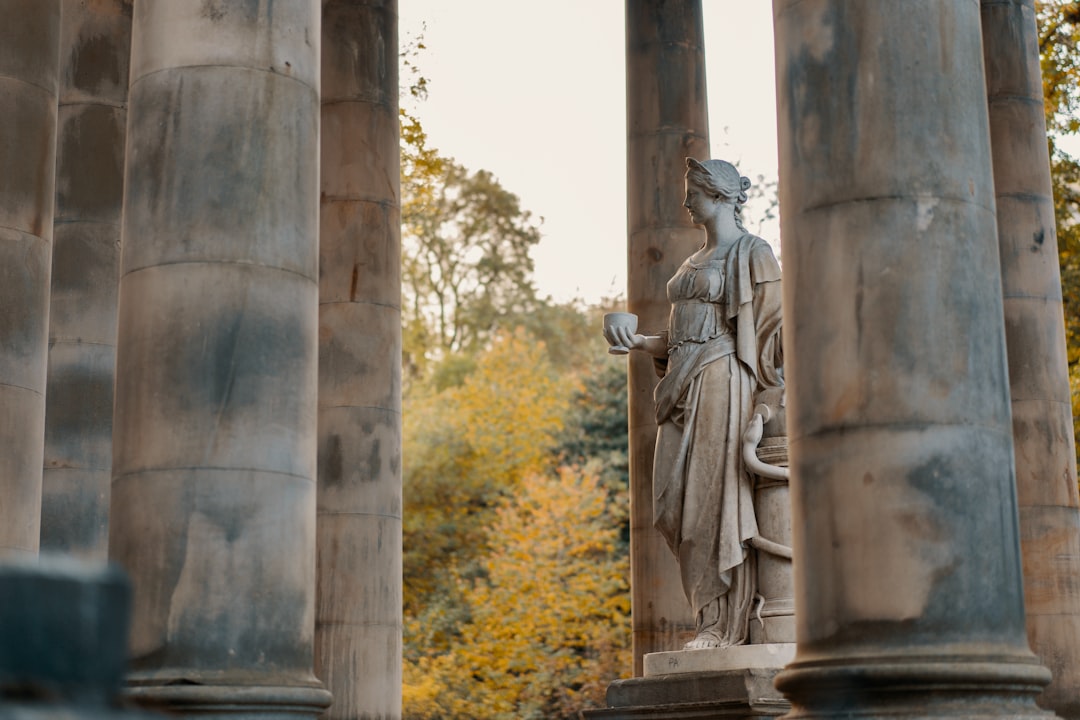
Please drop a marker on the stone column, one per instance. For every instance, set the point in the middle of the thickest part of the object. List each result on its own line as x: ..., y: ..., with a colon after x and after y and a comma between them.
x: 908, y: 584
x: 95, y: 43
x: 358, y: 621
x: 29, y: 56
x: 214, y: 453
x: 666, y: 121
x: 1035, y: 338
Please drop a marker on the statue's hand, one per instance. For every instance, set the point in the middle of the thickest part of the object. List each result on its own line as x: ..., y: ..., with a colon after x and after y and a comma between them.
x: 622, y: 336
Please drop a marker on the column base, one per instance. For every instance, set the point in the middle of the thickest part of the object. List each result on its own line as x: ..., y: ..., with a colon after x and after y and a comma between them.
x: 916, y: 688
x: 734, y: 682
x: 233, y: 702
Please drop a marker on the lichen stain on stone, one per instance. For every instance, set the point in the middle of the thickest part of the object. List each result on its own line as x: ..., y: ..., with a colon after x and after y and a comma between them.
x: 819, y: 35
x: 95, y: 65
x: 331, y: 470
x: 213, y: 10
x: 924, y: 212
x: 909, y: 548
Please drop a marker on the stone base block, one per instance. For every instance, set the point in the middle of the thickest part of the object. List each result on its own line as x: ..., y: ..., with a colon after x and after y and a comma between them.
x: 769, y: 656
x: 744, y: 693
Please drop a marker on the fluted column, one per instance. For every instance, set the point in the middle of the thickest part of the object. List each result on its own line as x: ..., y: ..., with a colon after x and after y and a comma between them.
x: 908, y: 581
x: 29, y: 56
x: 95, y: 46
x: 1035, y: 337
x: 666, y: 122
x: 213, y: 495
x: 358, y: 622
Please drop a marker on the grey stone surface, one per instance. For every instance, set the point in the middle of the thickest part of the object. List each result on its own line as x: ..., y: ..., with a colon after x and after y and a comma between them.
x: 712, y: 694
x: 95, y: 42
x: 762, y: 656
x: 29, y: 42
x: 908, y: 582
x: 214, y: 457
x: 1034, y: 324
x: 667, y: 121
x: 358, y: 613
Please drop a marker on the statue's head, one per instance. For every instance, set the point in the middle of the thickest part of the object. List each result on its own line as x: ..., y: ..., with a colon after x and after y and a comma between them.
x: 718, y: 178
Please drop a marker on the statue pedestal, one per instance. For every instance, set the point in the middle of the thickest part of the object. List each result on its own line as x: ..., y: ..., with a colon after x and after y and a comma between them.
x: 734, y: 682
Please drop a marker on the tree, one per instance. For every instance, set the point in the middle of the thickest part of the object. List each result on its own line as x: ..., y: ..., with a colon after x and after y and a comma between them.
x: 548, y: 620
x: 466, y: 263
x: 1059, y: 52
x: 468, y: 446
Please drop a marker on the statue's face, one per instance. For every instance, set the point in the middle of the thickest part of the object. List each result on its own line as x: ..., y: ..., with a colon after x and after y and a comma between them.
x: 702, y: 207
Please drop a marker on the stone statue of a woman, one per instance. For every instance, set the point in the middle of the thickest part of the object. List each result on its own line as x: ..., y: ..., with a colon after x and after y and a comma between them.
x: 721, y: 349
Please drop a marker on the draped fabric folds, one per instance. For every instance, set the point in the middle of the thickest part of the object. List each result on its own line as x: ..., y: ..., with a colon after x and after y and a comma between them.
x: 724, y: 347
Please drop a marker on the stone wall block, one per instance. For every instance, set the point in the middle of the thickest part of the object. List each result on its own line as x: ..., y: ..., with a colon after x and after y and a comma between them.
x: 361, y: 367
x: 1021, y: 157
x: 82, y: 306
x: 1046, y: 631
x: 1048, y: 539
x: 22, y: 418
x: 90, y: 170
x: 364, y: 264
x: 79, y: 407
x: 888, y: 354
x: 24, y: 297
x: 1032, y: 373
x: 205, y: 567
x: 361, y: 657
x: 75, y: 505
x: 28, y: 48
x: 359, y: 452
x: 281, y: 37
x: 352, y: 133
x: 366, y: 567
x: 360, y: 56
x: 28, y: 156
x: 1011, y: 24
x: 220, y: 184
x: 95, y: 52
x: 665, y: 59
x: 659, y: 206
x: 1044, y: 476
x: 1028, y: 246
x: 241, y: 367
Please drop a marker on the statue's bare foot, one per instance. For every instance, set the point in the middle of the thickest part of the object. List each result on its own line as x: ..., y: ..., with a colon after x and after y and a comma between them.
x: 705, y: 640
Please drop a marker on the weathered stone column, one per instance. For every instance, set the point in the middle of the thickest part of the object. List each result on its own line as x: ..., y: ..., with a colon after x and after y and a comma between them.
x: 907, y: 573
x: 358, y: 621
x: 29, y: 55
x: 1035, y: 337
x: 95, y: 43
x: 213, y: 496
x: 667, y: 120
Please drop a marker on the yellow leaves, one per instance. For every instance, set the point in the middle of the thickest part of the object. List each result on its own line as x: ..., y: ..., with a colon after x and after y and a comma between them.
x: 549, y: 624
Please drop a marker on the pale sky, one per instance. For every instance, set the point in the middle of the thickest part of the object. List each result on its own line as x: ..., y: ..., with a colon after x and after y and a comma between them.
x: 535, y: 92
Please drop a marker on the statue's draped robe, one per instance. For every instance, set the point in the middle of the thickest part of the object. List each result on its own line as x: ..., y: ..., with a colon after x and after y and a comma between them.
x: 724, y: 347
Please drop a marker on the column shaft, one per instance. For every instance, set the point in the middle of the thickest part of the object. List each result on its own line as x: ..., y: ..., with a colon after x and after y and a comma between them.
x: 908, y: 580
x: 358, y: 621
x: 29, y: 56
x: 213, y: 494
x: 94, y: 48
x: 1035, y: 337
x: 666, y: 122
